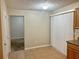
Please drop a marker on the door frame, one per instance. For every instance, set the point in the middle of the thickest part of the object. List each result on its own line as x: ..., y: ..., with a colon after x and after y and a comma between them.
x: 24, y: 28
x: 1, y: 42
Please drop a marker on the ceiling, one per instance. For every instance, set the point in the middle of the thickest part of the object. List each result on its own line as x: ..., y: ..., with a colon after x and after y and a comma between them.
x: 37, y: 4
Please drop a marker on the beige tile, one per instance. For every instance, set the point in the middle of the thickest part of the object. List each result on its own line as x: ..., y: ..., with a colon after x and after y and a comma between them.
x: 39, y: 53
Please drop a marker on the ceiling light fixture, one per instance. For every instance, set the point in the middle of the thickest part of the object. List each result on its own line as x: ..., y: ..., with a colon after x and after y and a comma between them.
x: 45, y: 7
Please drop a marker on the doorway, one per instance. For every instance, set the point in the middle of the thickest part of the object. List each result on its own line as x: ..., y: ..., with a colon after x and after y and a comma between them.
x: 17, y: 32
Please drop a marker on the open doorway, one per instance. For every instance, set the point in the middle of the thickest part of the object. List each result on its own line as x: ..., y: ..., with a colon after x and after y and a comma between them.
x: 17, y: 32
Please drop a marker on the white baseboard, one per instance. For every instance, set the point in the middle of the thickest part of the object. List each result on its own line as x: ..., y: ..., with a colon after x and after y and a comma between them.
x: 38, y: 47
x: 59, y: 51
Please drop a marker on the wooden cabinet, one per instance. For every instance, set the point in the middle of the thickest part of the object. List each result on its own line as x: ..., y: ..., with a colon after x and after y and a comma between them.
x: 76, y: 24
x: 72, y: 51
x: 70, y: 54
x: 76, y: 55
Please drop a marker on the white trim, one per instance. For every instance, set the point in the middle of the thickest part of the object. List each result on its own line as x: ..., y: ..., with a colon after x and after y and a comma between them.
x: 63, y: 12
x: 16, y: 37
x: 38, y: 47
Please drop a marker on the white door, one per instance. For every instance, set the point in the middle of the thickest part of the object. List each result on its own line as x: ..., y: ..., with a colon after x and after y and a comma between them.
x: 6, y: 37
x: 61, y: 31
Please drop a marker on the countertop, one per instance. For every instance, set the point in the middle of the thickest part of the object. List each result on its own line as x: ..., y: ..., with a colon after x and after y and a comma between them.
x: 75, y: 42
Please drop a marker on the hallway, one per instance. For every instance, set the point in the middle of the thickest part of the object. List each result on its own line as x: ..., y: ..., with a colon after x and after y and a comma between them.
x: 39, y: 53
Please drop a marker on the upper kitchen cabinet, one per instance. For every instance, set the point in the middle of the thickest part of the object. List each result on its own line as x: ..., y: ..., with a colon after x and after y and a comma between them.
x: 76, y: 18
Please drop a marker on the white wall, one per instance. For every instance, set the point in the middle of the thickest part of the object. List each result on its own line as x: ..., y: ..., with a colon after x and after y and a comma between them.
x: 17, y: 27
x: 36, y: 27
x: 5, y: 30
x: 61, y: 31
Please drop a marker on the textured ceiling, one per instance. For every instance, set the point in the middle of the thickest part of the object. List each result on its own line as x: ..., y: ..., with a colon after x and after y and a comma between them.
x: 37, y: 4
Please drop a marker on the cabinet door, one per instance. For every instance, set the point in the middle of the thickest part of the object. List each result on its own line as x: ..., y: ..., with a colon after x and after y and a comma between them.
x: 70, y: 54
x: 76, y: 55
x: 77, y: 18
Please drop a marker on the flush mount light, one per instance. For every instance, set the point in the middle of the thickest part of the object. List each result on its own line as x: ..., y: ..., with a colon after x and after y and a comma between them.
x: 45, y: 7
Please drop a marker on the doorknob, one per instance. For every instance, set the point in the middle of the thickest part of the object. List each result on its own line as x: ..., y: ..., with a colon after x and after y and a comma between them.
x: 5, y: 44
